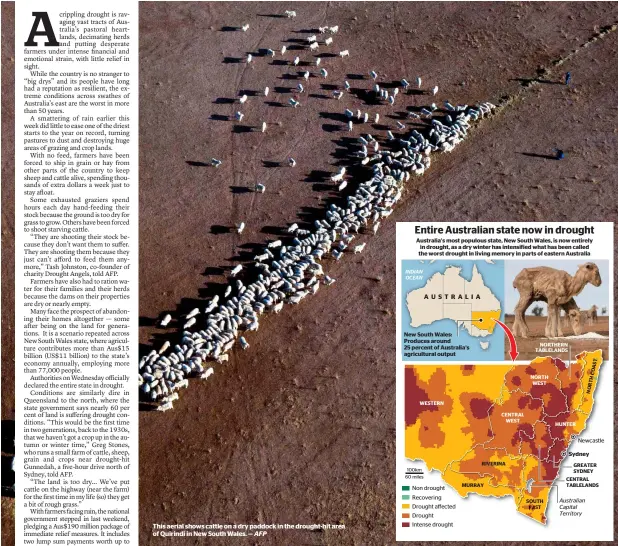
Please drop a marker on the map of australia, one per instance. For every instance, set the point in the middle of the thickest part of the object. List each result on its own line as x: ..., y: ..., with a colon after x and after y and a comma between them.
x: 500, y: 430
x: 469, y: 303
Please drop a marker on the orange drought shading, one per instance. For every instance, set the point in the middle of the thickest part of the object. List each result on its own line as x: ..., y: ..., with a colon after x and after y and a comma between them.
x: 591, y: 366
x: 477, y: 408
x: 476, y: 483
x: 542, y: 440
x: 534, y: 502
x: 432, y: 433
x: 512, y: 422
x: 483, y: 319
x: 438, y: 434
x: 502, y: 430
x: 495, y: 463
x: 521, y: 377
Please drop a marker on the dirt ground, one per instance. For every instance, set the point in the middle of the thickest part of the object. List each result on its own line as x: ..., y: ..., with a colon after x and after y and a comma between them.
x: 528, y: 347
x: 300, y: 428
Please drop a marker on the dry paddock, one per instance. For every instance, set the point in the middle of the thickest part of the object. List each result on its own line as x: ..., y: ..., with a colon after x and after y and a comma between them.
x: 300, y: 428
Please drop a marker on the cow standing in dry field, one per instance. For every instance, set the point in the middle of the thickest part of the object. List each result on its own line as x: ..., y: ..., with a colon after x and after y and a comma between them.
x: 588, y: 316
x: 556, y: 288
x: 593, y: 314
x: 567, y: 319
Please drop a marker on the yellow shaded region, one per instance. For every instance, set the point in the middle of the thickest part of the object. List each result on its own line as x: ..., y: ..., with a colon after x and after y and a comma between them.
x: 483, y: 319
x: 591, y: 365
x: 467, y: 483
x: 580, y: 419
x: 501, y: 468
x: 534, y: 504
x: 487, y: 380
x: 510, y: 473
x: 479, y: 484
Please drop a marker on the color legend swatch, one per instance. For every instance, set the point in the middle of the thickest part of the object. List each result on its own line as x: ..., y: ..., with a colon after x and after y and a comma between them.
x: 405, y: 506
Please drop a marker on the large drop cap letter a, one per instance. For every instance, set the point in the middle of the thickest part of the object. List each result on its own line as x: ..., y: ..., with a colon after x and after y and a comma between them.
x: 41, y: 16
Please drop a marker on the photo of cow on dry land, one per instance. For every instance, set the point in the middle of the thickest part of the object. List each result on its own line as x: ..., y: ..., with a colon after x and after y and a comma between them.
x: 553, y: 302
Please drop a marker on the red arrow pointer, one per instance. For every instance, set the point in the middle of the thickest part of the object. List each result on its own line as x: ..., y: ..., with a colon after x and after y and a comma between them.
x: 513, y: 352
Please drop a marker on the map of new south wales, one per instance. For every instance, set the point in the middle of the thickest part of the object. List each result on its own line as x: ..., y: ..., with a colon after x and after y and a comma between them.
x: 500, y: 430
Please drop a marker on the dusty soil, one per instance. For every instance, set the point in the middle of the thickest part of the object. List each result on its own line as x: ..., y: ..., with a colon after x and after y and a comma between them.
x: 527, y: 347
x: 300, y: 428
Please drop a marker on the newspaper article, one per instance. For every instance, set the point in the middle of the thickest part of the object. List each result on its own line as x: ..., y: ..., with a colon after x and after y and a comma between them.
x: 265, y: 264
x: 76, y: 287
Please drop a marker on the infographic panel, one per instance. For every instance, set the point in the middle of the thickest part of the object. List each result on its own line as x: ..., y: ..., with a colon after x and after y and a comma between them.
x: 505, y: 382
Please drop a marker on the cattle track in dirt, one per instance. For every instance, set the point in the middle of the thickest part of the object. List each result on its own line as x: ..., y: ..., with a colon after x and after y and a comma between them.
x: 163, y: 372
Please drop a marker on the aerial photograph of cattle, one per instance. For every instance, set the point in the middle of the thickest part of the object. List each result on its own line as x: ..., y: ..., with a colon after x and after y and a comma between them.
x: 279, y: 145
